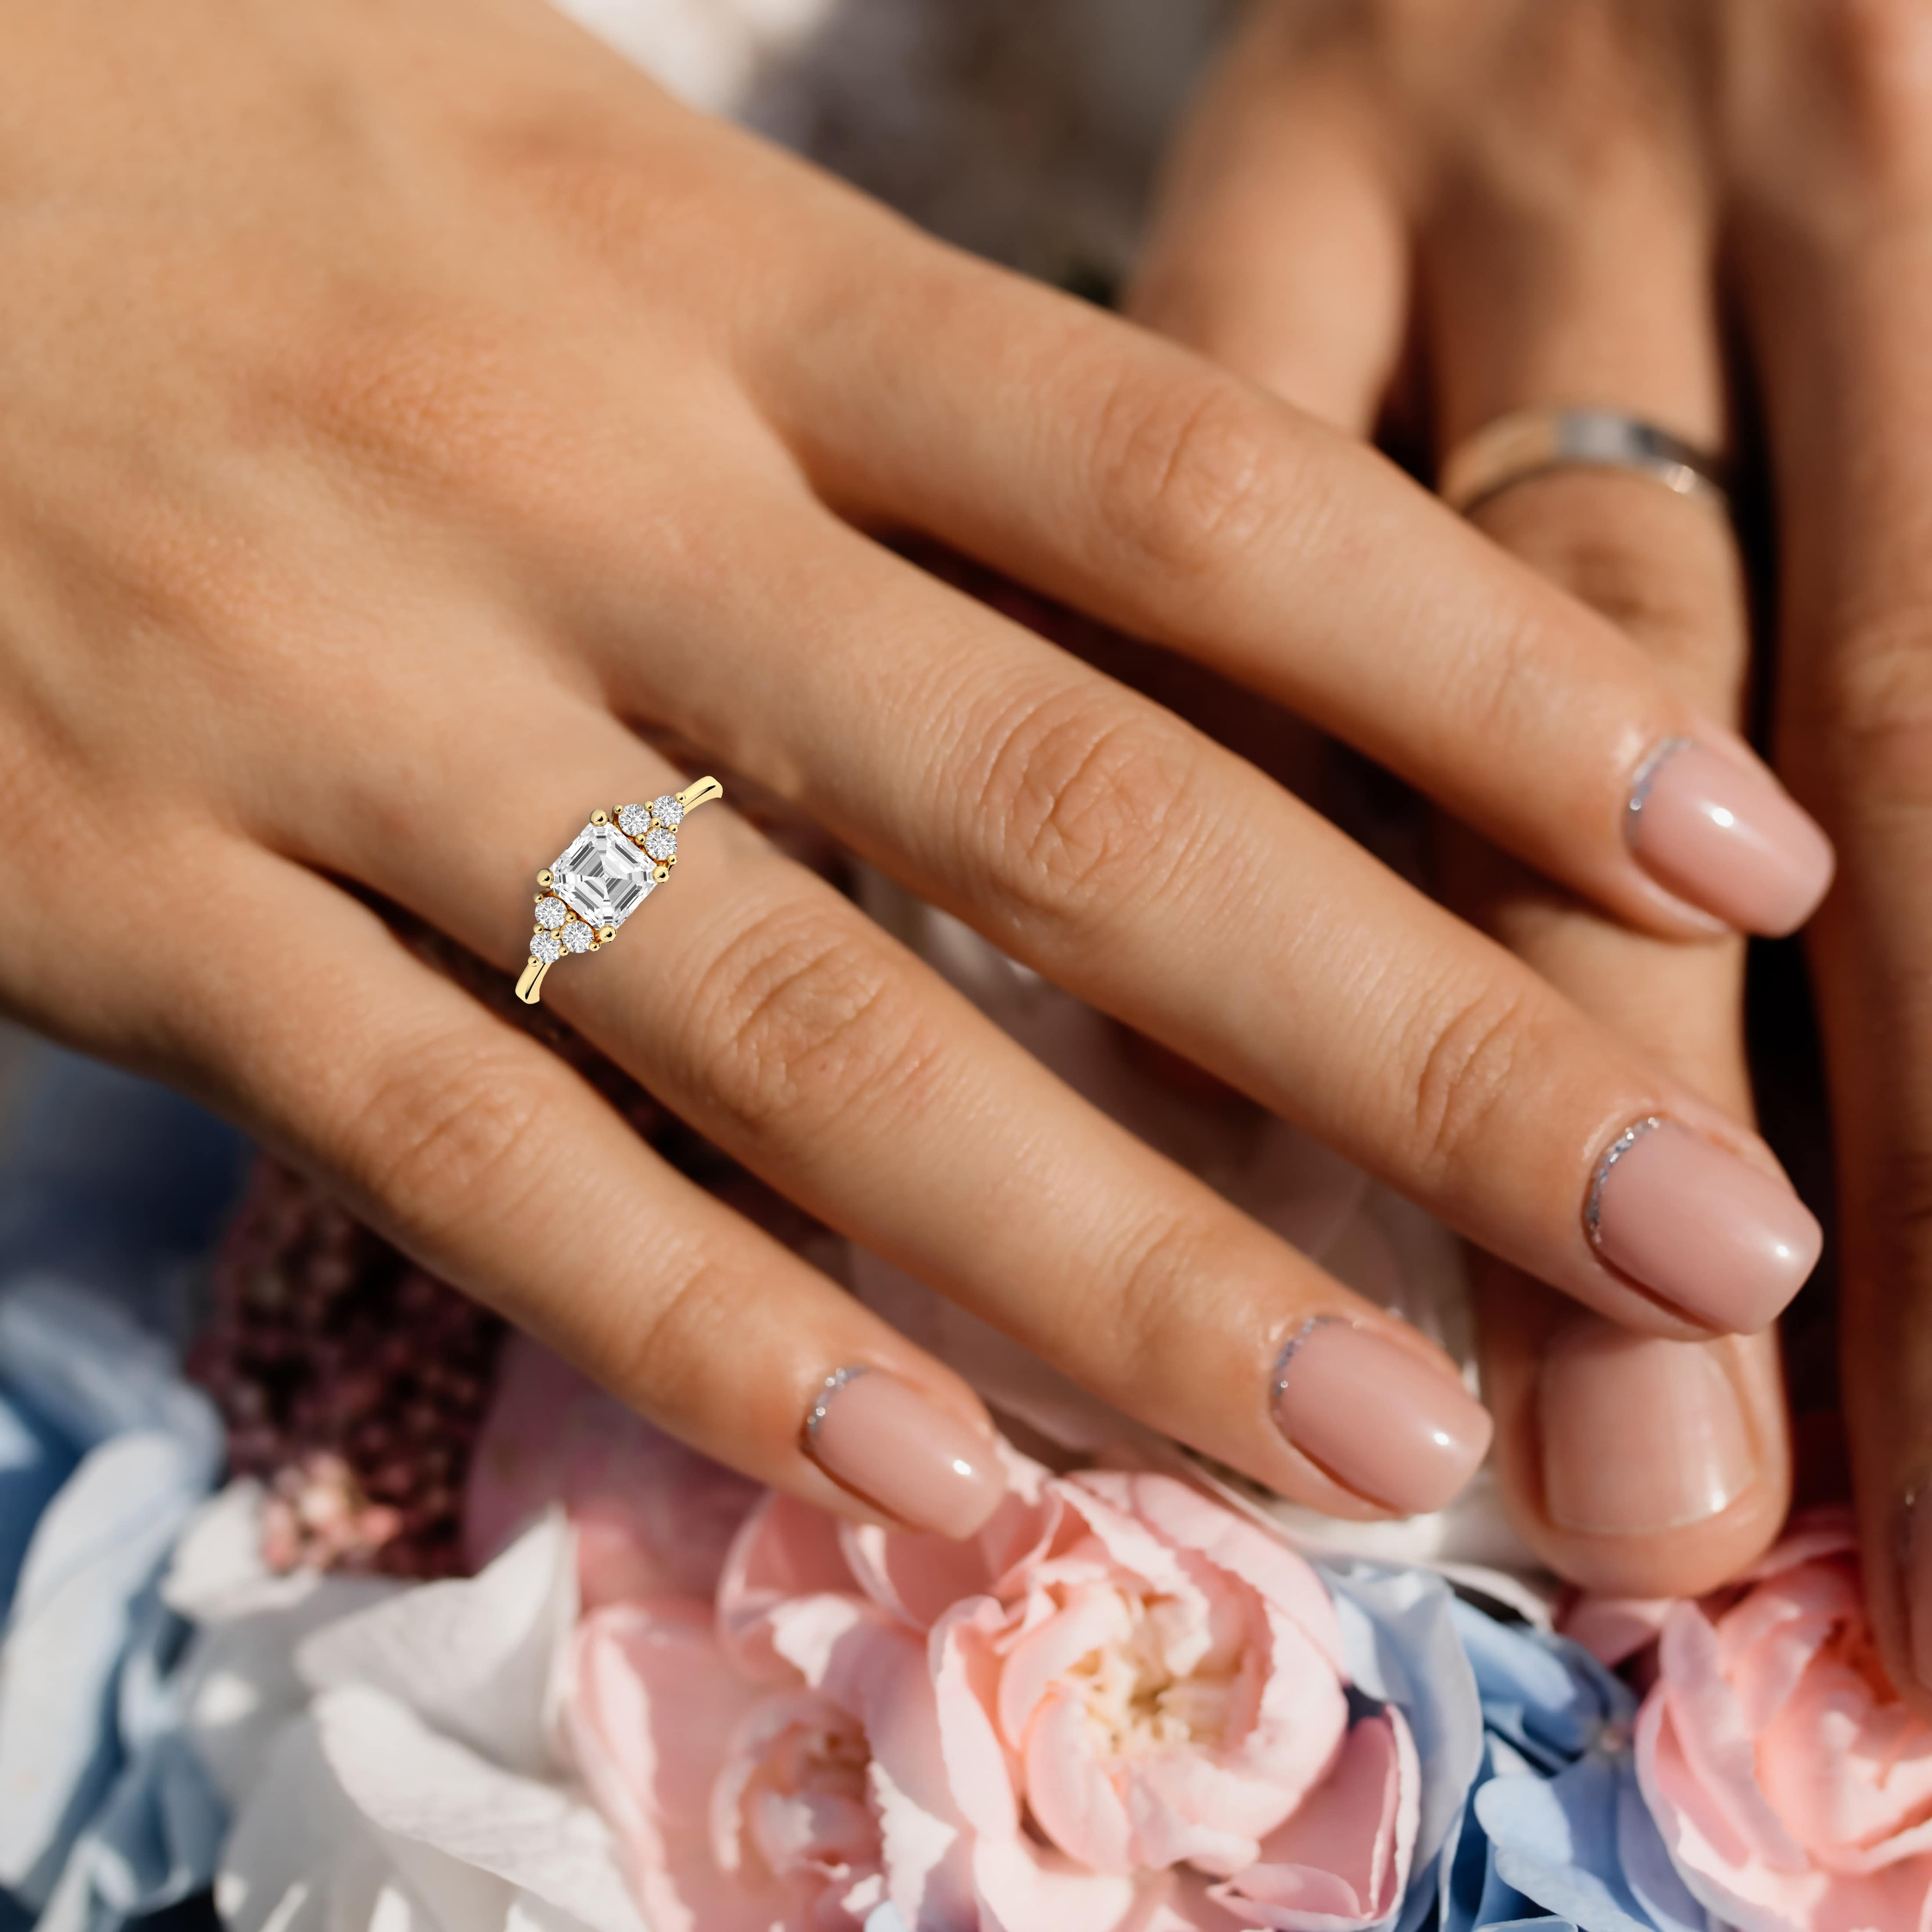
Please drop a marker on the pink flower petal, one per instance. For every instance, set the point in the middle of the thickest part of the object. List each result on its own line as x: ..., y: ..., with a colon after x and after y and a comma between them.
x: 1342, y: 1861
x: 1068, y: 1790
x: 1283, y: 1579
x: 744, y: 1758
x: 1763, y: 1677
x: 1185, y: 1808
x: 1742, y: 1890
x: 818, y: 1637
x: 786, y: 1549
x: 1614, y: 1629
x: 1817, y: 1533
x: 1103, y: 1500
x: 1853, y: 1776
x: 1023, y: 1888
x: 965, y: 1664
x: 654, y: 1517
x: 1303, y: 1718
x: 650, y: 1706
x: 917, y: 1578
x: 1190, y: 1905
x: 928, y: 1841
x: 1716, y: 1742
x: 1093, y: 1617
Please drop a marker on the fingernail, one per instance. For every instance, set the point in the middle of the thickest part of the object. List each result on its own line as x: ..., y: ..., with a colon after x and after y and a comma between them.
x: 1639, y: 1435
x: 1722, y: 1240
x: 1728, y: 837
x: 871, y: 1433
x: 1919, y: 1584
x: 1390, y: 1428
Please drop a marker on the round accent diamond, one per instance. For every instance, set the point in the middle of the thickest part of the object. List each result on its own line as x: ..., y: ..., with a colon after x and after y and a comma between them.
x: 547, y: 947
x: 576, y: 936
x: 668, y: 810
x: 634, y: 820
x: 659, y: 844
x: 552, y: 912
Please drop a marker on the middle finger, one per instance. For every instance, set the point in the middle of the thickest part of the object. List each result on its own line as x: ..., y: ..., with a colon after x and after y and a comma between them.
x: 1093, y: 835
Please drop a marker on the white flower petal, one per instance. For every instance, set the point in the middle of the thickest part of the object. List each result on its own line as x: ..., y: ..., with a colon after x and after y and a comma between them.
x: 477, y: 1658
x: 469, y: 1838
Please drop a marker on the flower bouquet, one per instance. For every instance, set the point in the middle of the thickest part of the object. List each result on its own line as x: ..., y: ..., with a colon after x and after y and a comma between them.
x: 460, y: 1644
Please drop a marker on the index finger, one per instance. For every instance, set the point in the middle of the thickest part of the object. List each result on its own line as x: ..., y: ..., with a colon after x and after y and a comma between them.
x: 1188, y: 508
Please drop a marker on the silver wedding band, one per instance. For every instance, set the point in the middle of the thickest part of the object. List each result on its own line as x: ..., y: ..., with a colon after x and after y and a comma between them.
x: 1532, y: 442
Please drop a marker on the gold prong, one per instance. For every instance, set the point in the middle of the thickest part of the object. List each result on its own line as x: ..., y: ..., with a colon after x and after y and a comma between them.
x: 605, y: 934
x: 672, y: 860
x: 600, y: 818
x: 546, y: 878
x: 701, y: 791
x: 662, y: 873
x: 530, y: 988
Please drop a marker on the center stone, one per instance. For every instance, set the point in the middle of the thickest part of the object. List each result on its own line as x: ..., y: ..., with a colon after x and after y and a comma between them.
x: 603, y: 877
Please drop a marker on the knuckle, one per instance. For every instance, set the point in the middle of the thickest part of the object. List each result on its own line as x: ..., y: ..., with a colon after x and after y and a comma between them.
x: 1156, y: 1298
x: 1670, y: 582
x: 1187, y: 470
x: 1880, y: 52
x: 442, y: 1138
x: 1593, y: 105
x: 672, y: 1336
x: 1468, y: 1058
x: 1088, y: 803
x: 807, y: 1017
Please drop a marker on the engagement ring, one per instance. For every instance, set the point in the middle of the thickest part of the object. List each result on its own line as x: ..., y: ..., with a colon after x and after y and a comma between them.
x: 607, y: 871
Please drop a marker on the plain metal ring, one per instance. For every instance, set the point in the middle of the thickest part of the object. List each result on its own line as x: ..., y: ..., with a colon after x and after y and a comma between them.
x: 1534, y: 441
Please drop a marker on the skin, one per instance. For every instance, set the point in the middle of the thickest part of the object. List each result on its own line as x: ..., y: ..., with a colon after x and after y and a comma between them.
x: 1501, y: 203
x: 408, y: 414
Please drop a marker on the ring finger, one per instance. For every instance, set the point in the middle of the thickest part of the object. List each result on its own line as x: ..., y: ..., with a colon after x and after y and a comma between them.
x: 1635, y: 1465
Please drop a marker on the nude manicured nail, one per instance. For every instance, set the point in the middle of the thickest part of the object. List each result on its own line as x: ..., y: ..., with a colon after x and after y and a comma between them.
x: 1729, y: 837
x: 1725, y: 1242
x: 879, y: 1438
x: 1639, y: 1435
x: 1390, y: 1428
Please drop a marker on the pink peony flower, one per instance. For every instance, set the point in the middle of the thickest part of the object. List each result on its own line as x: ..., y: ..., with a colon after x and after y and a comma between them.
x: 652, y: 1517
x: 1120, y: 1705
x: 1792, y: 1787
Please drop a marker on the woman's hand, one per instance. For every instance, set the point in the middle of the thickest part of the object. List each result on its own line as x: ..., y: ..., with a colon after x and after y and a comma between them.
x: 1548, y: 203
x: 404, y: 408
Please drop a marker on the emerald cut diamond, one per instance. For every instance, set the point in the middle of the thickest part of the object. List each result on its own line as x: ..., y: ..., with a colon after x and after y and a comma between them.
x: 603, y: 877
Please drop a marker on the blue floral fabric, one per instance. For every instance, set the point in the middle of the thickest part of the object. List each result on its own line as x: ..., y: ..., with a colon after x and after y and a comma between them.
x: 1548, y: 1827
x: 110, y: 1192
